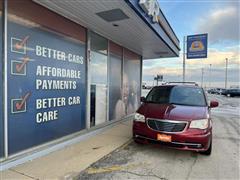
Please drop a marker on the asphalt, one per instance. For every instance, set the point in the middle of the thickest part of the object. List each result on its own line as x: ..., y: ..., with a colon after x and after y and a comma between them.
x: 134, y: 161
x: 111, y: 154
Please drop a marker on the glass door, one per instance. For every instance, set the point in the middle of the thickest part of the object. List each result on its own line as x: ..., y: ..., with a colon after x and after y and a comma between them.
x: 99, y: 79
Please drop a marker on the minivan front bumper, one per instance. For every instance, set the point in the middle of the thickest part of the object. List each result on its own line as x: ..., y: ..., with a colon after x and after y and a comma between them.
x: 190, y: 139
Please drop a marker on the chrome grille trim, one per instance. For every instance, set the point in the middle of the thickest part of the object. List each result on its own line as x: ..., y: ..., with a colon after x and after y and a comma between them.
x: 170, y: 121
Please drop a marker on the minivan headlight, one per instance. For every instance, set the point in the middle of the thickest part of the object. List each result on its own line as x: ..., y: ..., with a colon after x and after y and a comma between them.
x: 139, y: 117
x: 199, y: 124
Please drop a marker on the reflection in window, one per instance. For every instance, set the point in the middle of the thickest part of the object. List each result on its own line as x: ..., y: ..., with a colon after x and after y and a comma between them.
x: 99, y: 64
x: 98, y: 68
x: 131, y: 81
x: 116, y: 105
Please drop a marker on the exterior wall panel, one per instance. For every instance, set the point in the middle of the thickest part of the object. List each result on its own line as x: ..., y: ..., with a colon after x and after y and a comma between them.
x: 46, y: 18
x: 40, y: 50
x: 46, y: 76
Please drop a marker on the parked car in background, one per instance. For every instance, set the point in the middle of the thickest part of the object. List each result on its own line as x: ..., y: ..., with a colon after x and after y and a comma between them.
x: 212, y: 91
x: 177, y: 116
x: 216, y: 91
x: 144, y: 86
x: 232, y: 92
x: 221, y: 90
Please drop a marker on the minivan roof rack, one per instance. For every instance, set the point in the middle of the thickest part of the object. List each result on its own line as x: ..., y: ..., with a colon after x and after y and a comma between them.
x: 190, y: 83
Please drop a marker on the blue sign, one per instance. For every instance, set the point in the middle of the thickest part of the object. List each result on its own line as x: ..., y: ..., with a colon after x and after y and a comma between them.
x: 46, y: 86
x: 197, y: 46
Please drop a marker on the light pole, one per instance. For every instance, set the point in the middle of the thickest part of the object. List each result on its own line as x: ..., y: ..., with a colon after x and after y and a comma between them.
x: 158, y: 77
x: 226, y: 73
x: 202, y: 77
x: 210, y: 74
x: 184, y: 39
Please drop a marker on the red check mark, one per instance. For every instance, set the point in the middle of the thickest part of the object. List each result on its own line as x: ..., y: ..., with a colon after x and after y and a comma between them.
x: 19, y: 67
x: 19, y: 105
x: 19, y: 45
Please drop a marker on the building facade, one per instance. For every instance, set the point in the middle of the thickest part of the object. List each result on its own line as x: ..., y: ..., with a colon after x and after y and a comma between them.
x: 69, y: 67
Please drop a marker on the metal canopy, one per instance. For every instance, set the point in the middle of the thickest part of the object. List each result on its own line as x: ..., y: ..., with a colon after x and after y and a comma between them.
x: 128, y: 30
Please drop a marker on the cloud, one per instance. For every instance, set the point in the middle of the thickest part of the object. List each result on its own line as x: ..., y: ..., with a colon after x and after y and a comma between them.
x: 217, y: 57
x: 194, y: 67
x: 221, y: 24
x: 195, y: 74
x: 150, y: 63
x: 161, y: 70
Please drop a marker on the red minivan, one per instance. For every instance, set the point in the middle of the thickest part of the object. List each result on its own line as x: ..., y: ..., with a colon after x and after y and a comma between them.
x: 177, y: 116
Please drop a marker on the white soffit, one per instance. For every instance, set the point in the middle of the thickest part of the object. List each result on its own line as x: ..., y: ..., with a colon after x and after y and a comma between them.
x: 132, y: 33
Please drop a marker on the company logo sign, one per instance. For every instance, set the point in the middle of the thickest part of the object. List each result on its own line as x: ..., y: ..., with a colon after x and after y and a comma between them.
x: 151, y: 7
x: 197, y: 46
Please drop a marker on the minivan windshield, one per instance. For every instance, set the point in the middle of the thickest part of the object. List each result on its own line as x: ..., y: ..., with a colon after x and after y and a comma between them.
x: 180, y: 95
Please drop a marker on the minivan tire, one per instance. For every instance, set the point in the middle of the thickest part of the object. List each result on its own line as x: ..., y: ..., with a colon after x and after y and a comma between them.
x: 207, y: 152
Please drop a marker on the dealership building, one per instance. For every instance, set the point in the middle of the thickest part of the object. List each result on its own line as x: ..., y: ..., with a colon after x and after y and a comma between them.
x: 71, y: 67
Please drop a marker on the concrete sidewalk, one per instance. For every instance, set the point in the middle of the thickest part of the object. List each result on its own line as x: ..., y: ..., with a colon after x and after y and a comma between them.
x: 70, y: 161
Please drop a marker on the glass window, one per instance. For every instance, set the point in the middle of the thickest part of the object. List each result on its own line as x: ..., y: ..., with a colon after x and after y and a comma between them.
x: 99, y: 79
x: 116, y: 110
x: 189, y: 96
x: 131, y: 81
x: 98, y: 57
x: 159, y: 95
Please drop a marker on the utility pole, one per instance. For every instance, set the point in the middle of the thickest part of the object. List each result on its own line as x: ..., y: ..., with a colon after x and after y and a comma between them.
x: 210, y: 74
x: 158, y: 77
x: 226, y: 73
x: 184, y: 39
x: 202, y: 78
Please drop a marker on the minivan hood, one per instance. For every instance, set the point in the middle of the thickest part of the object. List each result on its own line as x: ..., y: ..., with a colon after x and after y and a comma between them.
x: 172, y: 112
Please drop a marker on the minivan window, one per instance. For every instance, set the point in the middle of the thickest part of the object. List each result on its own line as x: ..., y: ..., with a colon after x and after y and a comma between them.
x: 159, y: 95
x: 181, y: 95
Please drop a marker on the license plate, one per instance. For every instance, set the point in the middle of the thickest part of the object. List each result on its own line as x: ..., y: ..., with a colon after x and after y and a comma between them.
x: 164, y: 137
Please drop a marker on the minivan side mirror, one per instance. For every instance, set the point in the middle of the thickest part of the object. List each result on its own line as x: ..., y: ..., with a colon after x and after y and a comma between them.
x: 213, y: 104
x: 143, y: 99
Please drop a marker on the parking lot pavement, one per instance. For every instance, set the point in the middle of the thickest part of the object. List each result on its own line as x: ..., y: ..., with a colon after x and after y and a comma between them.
x: 227, y: 105
x: 134, y: 161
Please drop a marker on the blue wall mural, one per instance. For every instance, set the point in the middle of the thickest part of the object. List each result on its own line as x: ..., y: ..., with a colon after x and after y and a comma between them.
x: 46, y: 86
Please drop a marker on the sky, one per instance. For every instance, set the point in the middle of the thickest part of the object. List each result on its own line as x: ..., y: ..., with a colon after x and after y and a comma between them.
x: 221, y: 20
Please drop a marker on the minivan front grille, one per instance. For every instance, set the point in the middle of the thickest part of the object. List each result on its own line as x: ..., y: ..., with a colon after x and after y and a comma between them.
x: 166, y: 125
